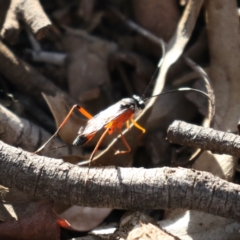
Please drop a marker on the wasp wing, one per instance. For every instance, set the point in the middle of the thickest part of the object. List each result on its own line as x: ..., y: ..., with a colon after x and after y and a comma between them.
x: 101, y: 119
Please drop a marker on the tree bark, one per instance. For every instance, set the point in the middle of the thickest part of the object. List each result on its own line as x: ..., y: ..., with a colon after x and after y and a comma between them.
x: 31, y: 13
x: 121, y: 188
x: 205, y: 138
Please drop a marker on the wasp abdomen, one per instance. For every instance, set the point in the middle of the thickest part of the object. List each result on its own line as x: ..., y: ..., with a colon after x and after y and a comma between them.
x: 80, y: 140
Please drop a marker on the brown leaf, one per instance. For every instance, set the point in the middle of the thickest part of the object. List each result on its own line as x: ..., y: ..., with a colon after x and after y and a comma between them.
x: 172, y: 107
x: 84, y: 218
x: 143, y: 70
x: 196, y: 225
x: 37, y: 222
x: 60, y: 110
x: 88, y: 68
x: 137, y: 225
x: 162, y: 21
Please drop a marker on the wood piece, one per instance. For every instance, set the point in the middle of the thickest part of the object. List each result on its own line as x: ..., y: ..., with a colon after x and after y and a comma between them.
x: 24, y: 134
x: 205, y: 138
x: 121, y: 188
x: 31, y: 13
x: 26, y: 78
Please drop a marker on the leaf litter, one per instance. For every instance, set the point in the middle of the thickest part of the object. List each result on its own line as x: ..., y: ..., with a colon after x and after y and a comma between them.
x: 100, y: 72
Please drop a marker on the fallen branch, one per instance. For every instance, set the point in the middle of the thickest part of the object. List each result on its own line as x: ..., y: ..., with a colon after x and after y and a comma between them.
x: 122, y: 188
x: 205, y: 138
x: 26, y: 78
x: 31, y: 13
x: 20, y: 132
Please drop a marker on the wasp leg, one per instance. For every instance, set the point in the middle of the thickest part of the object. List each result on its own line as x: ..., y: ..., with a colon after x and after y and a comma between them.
x: 97, y: 146
x: 80, y: 109
x: 127, y: 124
x: 125, y: 143
x: 137, y: 125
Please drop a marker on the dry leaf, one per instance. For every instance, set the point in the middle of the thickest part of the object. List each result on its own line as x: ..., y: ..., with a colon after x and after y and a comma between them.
x: 198, y: 226
x: 168, y: 108
x: 37, y: 221
x: 88, y: 68
x: 137, y: 225
x: 162, y: 21
x: 147, y: 232
x: 85, y: 218
x: 60, y: 110
x: 143, y: 70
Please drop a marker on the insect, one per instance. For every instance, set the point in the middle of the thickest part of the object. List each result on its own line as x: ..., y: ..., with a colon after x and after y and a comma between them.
x: 111, y: 119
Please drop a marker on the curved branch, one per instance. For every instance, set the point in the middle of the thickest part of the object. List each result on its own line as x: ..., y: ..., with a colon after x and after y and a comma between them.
x: 122, y: 188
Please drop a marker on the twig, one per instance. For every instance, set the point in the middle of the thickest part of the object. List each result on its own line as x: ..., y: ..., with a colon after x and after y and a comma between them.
x: 138, y: 28
x: 26, y: 78
x: 22, y: 133
x: 31, y: 13
x: 205, y: 138
x: 38, y: 55
x: 121, y: 188
x: 48, y: 57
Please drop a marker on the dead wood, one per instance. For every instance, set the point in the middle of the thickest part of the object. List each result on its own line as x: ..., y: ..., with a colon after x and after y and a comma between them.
x: 28, y: 136
x: 31, y: 13
x: 205, y: 138
x: 121, y: 188
x: 134, y: 26
x: 26, y: 78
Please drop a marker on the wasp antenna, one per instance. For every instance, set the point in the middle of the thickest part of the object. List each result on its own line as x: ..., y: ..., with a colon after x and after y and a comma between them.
x: 158, y: 67
x: 153, y: 78
x: 185, y: 89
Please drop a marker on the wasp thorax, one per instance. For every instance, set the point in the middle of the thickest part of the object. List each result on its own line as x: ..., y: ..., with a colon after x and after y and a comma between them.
x: 139, y: 102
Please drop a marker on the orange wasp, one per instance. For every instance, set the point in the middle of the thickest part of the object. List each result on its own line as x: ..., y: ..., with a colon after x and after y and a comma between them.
x: 111, y: 119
